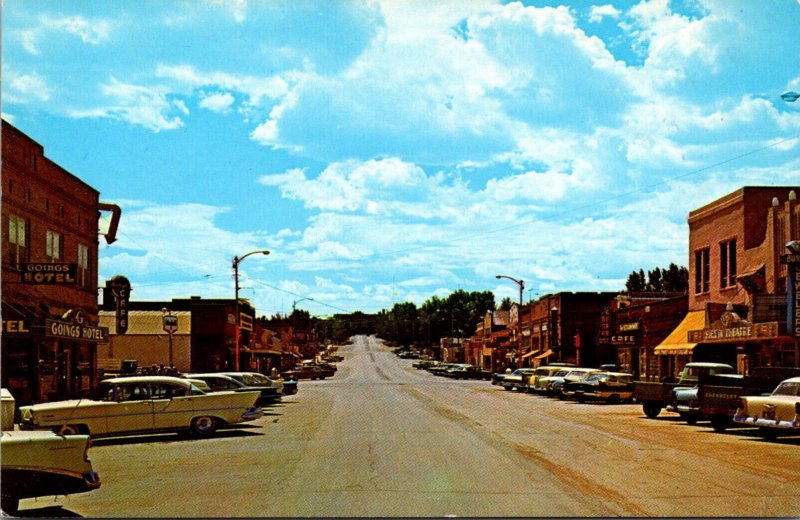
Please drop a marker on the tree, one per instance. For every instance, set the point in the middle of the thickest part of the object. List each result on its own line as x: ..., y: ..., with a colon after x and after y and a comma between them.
x: 671, y: 279
x: 506, y: 304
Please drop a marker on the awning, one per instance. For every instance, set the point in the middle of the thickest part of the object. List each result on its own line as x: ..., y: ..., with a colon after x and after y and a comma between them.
x: 546, y: 353
x: 677, y: 342
x: 750, y: 272
x: 529, y: 354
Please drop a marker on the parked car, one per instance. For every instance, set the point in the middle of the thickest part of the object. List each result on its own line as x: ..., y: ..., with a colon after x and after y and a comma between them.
x: 441, y: 368
x: 557, y: 385
x: 683, y: 398
x: 777, y: 413
x: 307, y: 372
x: 544, y: 371
x: 719, y: 396
x: 257, y: 379
x: 424, y: 363
x: 514, y: 380
x: 143, y: 404
x: 542, y: 384
x: 218, y: 382
x: 37, y: 464
x: 655, y: 395
x: 466, y: 371
x: 43, y: 463
x: 611, y: 387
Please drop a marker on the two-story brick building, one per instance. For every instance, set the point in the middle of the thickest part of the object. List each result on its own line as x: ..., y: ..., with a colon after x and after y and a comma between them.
x: 737, y: 282
x: 50, y: 229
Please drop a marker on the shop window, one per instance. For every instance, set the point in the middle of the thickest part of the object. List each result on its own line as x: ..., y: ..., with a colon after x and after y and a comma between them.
x: 702, y: 266
x: 727, y: 264
x: 53, y: 246
x: 18, y: 239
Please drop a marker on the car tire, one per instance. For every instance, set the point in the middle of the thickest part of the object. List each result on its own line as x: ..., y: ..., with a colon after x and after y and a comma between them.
x: 651, y: 410
x: 9, y: 504
x: 720, y: 423
x: 581, y: 398
x: 204, y: 425
x: 769, y: 434
x: 69, y: 429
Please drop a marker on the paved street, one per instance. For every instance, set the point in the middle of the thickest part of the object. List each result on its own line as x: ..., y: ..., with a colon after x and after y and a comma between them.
x: 384, y: 439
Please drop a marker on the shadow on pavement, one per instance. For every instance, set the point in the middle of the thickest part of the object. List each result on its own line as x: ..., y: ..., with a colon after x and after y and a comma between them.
x: 232, y: 432
x: 47, y: 512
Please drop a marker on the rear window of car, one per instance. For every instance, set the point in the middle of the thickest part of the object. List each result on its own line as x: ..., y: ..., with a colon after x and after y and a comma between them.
x: 792, y: 389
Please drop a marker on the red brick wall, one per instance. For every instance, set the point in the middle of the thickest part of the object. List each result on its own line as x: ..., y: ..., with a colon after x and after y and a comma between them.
x: 49, y: 198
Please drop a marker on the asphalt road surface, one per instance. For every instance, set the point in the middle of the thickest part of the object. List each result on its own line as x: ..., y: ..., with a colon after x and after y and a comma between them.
x: 381, y: 438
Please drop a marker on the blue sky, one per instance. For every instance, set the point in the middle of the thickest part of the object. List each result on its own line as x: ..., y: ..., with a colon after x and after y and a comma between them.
x: 388, y: 151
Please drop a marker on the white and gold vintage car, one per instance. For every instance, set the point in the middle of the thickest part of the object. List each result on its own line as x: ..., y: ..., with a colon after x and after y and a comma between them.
x: 777, y: 413
x: 143, y: 404
x: 43, y: 463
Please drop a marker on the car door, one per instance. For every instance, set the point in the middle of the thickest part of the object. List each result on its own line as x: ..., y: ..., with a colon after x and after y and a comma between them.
x: 172, y: 406
x: 132, y: 410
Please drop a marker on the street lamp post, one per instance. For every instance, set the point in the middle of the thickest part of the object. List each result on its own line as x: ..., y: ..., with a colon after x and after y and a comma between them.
x: 521, y: 284
x: 237, y: 319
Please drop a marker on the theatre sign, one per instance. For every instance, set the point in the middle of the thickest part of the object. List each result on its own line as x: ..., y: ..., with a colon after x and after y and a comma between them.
x: 732, y: 328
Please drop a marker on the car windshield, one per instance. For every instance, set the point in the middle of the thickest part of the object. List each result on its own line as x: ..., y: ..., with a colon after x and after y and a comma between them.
x: 561, y: 373
x: 597, y: 377
x: 792, y: 389
x: 252, y: 380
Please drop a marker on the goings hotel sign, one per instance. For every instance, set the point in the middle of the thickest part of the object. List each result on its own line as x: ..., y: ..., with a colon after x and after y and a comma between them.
x: 49, y: 273
x: 73, y: 325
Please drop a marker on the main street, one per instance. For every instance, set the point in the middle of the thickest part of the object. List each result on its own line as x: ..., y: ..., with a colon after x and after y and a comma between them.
x: 381, y: 438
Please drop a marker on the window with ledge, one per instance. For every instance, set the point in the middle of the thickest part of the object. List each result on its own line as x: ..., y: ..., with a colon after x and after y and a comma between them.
x: 702, y: 265
x: 727, y: 264
x: 52, y: 248
x: 84, y: 267
x: 18, y: 240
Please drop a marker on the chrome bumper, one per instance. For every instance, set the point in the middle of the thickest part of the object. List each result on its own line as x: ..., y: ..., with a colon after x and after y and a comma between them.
x: 767, y: 423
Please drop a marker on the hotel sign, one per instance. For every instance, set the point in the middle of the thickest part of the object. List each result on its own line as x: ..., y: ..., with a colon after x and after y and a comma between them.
x: 49, y: 273
x: 82, y: 332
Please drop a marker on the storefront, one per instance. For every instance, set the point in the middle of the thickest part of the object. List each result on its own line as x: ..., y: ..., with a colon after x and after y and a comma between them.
x: 48, y: 358
x: 743, y: 344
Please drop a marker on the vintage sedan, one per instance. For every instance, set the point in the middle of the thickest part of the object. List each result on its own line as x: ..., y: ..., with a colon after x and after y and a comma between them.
x: 611, y: 387
x: 277, y: 383
x: 557, y: 385
x: 543, y: 371
x: 517, y: 379
x: 466, y: 371
x: 543, y: 382
x: 42, y: 463
x: 143, y: 404
x: 218, y: 382
x: 777, y: 413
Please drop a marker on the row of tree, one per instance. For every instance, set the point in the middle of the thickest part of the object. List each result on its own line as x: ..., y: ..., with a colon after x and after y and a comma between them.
x: 458, y: 314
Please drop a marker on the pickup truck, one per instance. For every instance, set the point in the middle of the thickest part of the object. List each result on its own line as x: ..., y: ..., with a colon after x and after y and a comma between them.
x: 719, y: 396
x: 654, y: 396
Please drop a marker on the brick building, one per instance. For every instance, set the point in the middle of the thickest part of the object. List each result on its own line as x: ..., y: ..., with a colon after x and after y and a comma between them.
x: 50, y: 235
x: 203, y: 342
x: 639, y: 323
x: 737, y: 283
